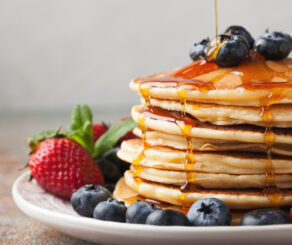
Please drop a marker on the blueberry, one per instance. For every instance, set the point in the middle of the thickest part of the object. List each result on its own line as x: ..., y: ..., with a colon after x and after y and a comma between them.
x: 265, y: 217
x: 167, y: 217
x: 274, y: 45
x: 111, y: 166
x: 85, y: 199
x: 239, y: 30
x: 138, y: 211
x: 110, y: 186
x: 286, y: 36
x: 110, y: 210
x: 209, y: 212
x: 198, y: 49
x: 110, y: 170
x: 227, y: 50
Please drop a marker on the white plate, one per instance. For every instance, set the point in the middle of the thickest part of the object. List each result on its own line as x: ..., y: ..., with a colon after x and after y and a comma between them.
x: 58, y: 214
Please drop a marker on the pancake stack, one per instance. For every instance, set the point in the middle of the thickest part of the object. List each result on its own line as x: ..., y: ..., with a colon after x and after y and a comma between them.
x: 206, y: 131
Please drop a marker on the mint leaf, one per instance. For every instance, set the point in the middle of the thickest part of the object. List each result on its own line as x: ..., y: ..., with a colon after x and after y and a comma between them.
x: 82, y: 138
x: 34, y: 140
x: 81, y: 127
x: 81, y: 119
x: 112, y: 136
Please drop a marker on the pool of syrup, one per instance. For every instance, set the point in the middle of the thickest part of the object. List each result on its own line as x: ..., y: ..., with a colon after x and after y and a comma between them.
x: 254, y: 74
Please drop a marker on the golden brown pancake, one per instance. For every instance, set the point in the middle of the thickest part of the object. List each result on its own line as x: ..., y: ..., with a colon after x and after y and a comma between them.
x: 167, y: 158
x: 234, y: 198
x: 255, y: 82
x: 124, y: 193
x: 180, y: 142
x: 210, y: 180
x: 229, y: 115
x: 173, y: 123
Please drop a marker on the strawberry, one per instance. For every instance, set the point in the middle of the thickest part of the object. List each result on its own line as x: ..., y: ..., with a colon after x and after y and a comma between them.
x: 61, y: 166
x: 62, y: 160
x: 290, y: 213
x: 127, y: 136
x: 99, y: 130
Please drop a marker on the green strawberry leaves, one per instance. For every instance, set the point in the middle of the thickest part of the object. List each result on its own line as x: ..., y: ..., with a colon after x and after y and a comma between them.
x: 81, y: 127
x: 111, y: 137
x: 34, y: 140
x: 81, y: 131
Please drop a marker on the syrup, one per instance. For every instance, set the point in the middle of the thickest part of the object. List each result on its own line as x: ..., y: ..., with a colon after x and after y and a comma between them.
x: 144, y: 91
x: 141, y: 155
x: 215, y: 44
x: 253, y: 72
x: 181, y: 93
x: 138, y: 182
x: 185, y: 124
x: 271, y: 190
x: 262, y: 73
x: 213, y: 48
x: 216, y: 16
x: 160, y: 204
x: 189, y: 164
x: 182, y: 197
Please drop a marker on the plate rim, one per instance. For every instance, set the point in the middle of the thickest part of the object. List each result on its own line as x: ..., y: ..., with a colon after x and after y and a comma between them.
x: 25, y: 205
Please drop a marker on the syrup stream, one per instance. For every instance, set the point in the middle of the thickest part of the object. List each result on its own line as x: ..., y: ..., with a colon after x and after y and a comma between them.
x: 216, y: 16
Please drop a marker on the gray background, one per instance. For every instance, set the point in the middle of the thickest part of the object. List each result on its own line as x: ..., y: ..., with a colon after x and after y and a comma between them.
x: 57, y: 53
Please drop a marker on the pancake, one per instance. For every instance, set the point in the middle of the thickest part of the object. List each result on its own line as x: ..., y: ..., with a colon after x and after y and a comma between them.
x: 255, y: 82
x: 124, y: 193
x: 213, y: 132
x: 235, y: 199
x: 229, y: 115
x: 166, y: 158
x: 180, y: 142
x: 210, y: 180
x: 178, y: 124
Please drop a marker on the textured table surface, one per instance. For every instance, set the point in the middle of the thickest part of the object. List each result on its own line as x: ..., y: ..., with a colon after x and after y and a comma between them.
x: 16, y: 227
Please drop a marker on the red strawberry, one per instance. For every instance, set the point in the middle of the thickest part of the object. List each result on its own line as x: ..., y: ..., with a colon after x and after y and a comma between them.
x: 61, y: 166
x: 290, y: 213
x: 127, y: 136
x: 98, y: 130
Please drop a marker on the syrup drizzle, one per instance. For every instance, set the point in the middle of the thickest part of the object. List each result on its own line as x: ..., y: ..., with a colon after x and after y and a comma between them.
x: 196, y: 68
x: 144, y: 146
x: 215, y: 44
x: 181, y: 93
x: 213, y: 48
x: 189, y: 161
x: 271, y: 191
x: 256, y: 63
x: 185, y: 124
x: 216, y: 16
x: 144, y: 91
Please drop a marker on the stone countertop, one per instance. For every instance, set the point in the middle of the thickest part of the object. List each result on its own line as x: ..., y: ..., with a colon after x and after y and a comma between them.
x: 15, y: 226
